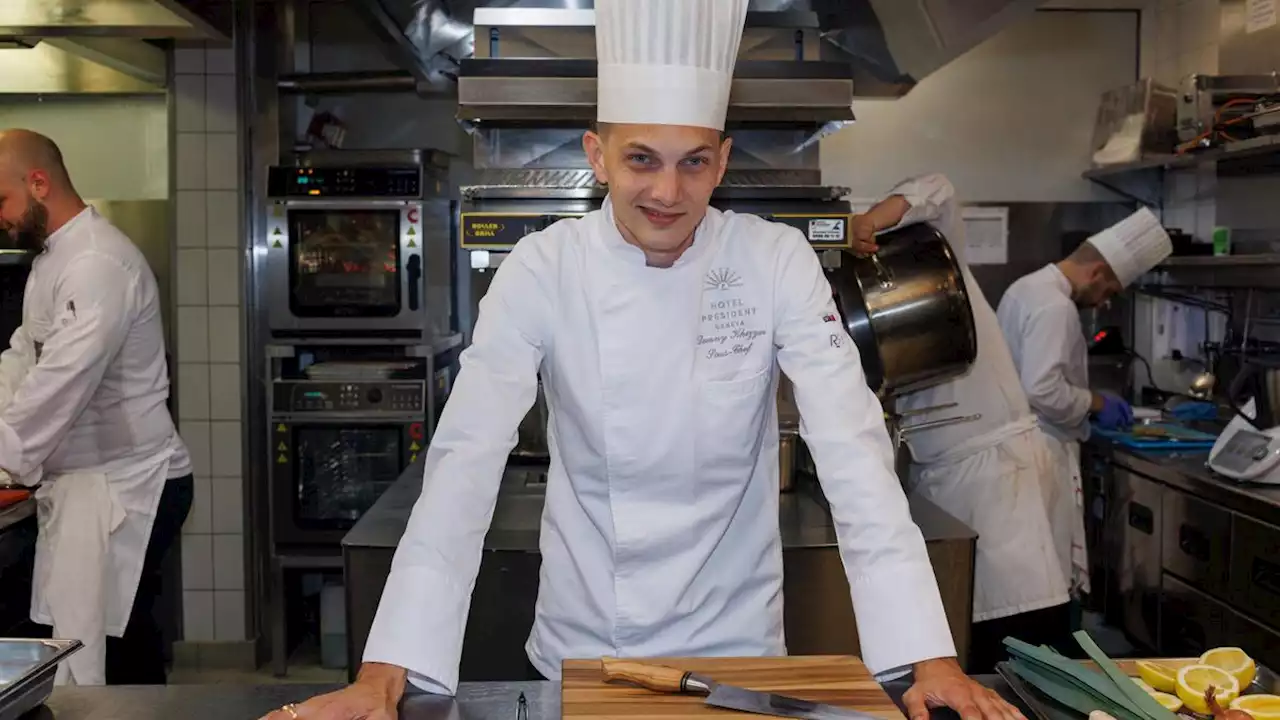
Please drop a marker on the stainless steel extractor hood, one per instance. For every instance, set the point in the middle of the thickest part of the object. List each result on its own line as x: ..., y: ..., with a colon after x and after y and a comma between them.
x: 92, y: 46
x: 525, y: 59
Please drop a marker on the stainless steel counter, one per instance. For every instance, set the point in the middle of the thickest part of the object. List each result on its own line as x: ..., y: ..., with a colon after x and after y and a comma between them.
x: 1187, y: 472
x: 475, y: 701
x: 1182, y: 559
x: 818, y: 619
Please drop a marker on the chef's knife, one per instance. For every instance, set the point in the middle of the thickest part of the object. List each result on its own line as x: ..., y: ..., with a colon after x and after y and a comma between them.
x: 660, y: 678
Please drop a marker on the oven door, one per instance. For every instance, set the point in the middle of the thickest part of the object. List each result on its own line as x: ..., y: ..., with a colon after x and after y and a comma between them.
x: 326, y: 474
x: 338, y: 268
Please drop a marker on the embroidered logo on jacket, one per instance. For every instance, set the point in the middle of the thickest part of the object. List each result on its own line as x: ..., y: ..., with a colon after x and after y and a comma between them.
x: 828, y: 318
x: 722, y: 279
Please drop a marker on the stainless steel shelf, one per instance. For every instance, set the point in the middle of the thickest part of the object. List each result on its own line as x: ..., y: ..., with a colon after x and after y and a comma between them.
x: 15, y: 257
x: 1143, y: 180
x: 1227, y: 272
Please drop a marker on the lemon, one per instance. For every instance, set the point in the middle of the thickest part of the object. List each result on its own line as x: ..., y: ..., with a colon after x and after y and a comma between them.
x: 1261, y: 707
x: 1172, y: 703
x: 1233, y: 660
x: 1160, y: 677
x: 1194, y: 680
x: 1145, y: 687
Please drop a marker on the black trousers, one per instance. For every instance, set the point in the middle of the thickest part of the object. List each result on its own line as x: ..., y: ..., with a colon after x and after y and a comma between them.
x: 1049, y: 626
x: 137, y: 658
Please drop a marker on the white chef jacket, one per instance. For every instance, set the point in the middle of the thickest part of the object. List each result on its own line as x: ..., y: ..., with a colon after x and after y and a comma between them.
x: 92, y: 347
x: 660, y: 533
x: 991, y: 473
x: 1041, y: 323
x: 82, y: 410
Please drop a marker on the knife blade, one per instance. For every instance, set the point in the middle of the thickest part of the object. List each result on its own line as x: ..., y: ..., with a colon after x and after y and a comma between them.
x: 660, y: 678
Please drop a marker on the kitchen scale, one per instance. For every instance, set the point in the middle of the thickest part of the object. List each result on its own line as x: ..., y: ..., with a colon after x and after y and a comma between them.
x: 1244, y: 452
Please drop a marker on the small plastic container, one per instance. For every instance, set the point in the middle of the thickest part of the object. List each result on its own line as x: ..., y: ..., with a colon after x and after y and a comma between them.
x: 1221, y: 241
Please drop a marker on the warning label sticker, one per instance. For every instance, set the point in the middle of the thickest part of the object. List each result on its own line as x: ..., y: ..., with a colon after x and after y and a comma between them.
x: 826, y: 230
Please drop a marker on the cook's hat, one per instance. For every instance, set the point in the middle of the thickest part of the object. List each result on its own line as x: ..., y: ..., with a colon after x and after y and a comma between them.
x: 1134, y: 245
x: 666, y: 62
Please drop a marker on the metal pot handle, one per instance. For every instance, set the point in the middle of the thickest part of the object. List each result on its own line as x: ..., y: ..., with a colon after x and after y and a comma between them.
x: 887, y: 281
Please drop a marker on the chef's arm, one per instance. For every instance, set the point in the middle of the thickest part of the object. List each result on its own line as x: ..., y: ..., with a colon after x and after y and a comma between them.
x: 926, y: 198
x: 1043, y: 370
x: 423, y: 612
x: 895, y: 595
x: 93, y: 302
x: 14, y: 364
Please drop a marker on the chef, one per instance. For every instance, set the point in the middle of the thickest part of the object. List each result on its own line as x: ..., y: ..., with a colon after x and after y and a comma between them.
x: 658, y: 326
x: 1040, y: 318
x: 83, y: 387
x: 991, y: 473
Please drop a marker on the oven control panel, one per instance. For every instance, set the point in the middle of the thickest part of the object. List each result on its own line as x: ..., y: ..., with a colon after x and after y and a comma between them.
x: 360, y: 396
x: 357, y: 181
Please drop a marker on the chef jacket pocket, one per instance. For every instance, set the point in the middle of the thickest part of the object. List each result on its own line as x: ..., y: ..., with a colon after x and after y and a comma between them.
x: 730, y: 422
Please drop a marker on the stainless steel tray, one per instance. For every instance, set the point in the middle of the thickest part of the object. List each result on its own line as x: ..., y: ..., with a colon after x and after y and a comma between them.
x: 1265, y: 682
x: 27, y: 668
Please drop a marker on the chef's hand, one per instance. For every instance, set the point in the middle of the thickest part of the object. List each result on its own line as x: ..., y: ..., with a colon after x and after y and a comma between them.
x: 863, y: 230
x: 1112, y: 412
x: 374, y: 695
x: 941, y: 683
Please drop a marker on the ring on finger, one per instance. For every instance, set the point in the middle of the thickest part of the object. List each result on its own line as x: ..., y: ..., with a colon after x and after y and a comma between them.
x: 292, y: 710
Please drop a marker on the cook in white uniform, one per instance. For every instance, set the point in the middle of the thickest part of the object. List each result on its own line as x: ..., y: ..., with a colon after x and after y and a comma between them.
x: 83, y: 388
x: 658, y: 326
x: 1040, y: 317
x: 991, y: 473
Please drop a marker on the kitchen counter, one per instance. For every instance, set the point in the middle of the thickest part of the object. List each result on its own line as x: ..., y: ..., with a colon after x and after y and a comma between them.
x: 1181, y: 558
x: 475, y: 701
x: 1187, y: 471
x: 819, y: 617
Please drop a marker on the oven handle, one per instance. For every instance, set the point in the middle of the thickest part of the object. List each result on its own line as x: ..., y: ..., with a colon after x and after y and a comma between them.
x: 415, y: 281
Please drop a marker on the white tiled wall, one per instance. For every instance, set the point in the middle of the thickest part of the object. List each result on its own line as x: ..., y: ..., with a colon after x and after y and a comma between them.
x: 207, y: 282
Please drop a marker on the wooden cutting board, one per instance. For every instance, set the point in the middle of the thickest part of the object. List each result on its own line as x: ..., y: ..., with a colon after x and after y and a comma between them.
x: 832, y: 679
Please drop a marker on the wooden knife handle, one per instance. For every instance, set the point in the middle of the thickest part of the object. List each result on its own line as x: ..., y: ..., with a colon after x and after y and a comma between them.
x: 658, y: 678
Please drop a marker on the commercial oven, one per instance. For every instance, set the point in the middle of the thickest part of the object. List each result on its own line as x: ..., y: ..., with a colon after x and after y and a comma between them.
x: 337, y: 445
x: 350, y: 247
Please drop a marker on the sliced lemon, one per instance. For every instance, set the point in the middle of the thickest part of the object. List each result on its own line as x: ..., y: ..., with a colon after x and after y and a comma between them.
x: 1145, y: 687
x: 1194, y: 680
x: 1172, y: 703
x: 1233, y: 660
x: 1160, y: 677
x: 1261, y: 707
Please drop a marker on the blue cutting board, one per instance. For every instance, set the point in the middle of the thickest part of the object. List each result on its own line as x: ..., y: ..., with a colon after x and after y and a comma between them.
x: 1184, y: 438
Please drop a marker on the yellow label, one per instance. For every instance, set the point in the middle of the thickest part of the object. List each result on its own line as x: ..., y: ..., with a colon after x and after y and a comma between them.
x: 282, y: 460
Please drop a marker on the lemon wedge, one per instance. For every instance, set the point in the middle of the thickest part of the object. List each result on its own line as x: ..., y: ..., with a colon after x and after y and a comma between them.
x: 1161, y: 677
x: 1172, y: 703
x: 1194, y: 680
x: 1145, y: 687
x: 1261, y: 707
x: 1233, y: 660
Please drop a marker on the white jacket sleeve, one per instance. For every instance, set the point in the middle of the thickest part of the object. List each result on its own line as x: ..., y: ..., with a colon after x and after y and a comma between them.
x: 422, y: 616
x: 1045, y: 355
x: 93, y: 304
x: 895, y: 595
x: 14, y: 364
x: 933, y: 200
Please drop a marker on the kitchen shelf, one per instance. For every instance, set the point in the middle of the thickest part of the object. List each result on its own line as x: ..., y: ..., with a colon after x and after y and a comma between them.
x: 1227, y: 272
x: 1142, y: 180
x: 14, y: 257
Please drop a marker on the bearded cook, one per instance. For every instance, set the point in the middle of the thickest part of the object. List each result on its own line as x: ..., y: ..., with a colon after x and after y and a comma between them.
x: 83, y: 388
x: 658, y: 326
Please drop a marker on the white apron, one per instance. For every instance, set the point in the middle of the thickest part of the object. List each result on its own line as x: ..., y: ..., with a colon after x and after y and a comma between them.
x: 94, y: 528
x: 994, y: 484
x: 1066, y: 512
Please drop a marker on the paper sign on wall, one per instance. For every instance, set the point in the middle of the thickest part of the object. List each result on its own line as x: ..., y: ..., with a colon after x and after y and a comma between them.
x: 986, y: 231
x: 1259, y: 15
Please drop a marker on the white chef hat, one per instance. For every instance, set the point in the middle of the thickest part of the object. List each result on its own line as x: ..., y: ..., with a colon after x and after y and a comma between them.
x: 1134, y: 245
x: 666, y: 62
